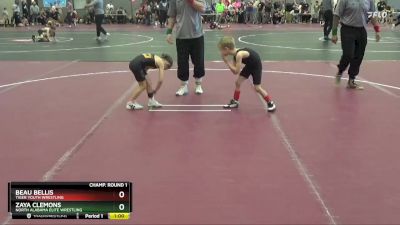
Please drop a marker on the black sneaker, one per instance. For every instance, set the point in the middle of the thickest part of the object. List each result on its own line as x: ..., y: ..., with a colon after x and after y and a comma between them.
x: 232, y: 104
x: 271, y: 106
x: 353, y: 85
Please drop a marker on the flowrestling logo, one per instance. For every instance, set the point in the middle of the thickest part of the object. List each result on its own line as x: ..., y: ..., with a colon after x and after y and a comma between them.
x: 380, y: 15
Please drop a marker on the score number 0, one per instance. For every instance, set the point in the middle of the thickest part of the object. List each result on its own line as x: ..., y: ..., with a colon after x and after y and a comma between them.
x: 121, y: 194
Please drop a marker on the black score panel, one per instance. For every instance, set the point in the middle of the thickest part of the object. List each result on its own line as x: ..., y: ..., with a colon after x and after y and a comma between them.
x: 70, y: 200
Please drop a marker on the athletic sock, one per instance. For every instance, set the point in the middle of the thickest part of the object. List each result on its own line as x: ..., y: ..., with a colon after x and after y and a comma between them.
x: 267, y: 98
x: 236, y: 95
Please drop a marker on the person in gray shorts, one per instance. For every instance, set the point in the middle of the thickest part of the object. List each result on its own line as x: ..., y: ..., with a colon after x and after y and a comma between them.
x: 353, y: 16
x: 185, y: 15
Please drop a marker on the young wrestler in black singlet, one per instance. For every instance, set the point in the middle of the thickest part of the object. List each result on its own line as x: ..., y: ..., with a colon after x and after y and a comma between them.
x: 253, y: 67
x: 139, y: 67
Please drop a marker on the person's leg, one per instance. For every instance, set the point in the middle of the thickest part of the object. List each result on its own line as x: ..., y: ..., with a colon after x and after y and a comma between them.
x: 355, y: 63
x: 330, y: 22
x: 98, y: 20
x: 196, y: 52
x: 348, y: 39
x: 326, y: 24
x: 182, y: 48
x: 102, y: 30
x: 138, y: 90
x: 234, y: 103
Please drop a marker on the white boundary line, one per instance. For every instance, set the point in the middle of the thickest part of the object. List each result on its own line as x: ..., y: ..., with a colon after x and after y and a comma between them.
x: 298, y: 48
x: 209, y: 69
x: 193, y: 105
x: 190, y: 110
x: 41, y: 75
x: 149, y: 39
x: 300, y: 166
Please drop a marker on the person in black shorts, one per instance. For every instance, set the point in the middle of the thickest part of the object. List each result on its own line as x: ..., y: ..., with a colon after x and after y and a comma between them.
x: 139, y: 67
x: 253, y: 67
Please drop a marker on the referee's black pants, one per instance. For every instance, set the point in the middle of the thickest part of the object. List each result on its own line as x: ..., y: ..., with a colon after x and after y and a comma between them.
x: 328, y: 18
x: 195, y: 49
x: 99, y: 21
x: 354, y: 42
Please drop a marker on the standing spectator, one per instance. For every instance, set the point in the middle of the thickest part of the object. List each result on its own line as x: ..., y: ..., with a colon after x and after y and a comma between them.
x: 98, y: 6
x: 16, y: 19
x: 328, y: 17
x: 42, y: 19
x: 260, y: 12
x: 34, y: 13
x: 254, y: 11
x: 70, y: 11
x: 186, y: 15
x: 163, y: 12
x: 381, y: 5
x: 353, y: 19
x: 25, y: 9
x: 6, y: 17
x: 220, y: 9
x: 316, y: 9
x: 268, y: 10
x: 249, y: 12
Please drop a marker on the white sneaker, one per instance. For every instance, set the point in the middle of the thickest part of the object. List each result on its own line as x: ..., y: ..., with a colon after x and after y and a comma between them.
x: 183, y: 90
x: 106, y: 36
x: 133, y: 106
x: 99, y: 39
x: 154, y: 103
x: 198, y: 90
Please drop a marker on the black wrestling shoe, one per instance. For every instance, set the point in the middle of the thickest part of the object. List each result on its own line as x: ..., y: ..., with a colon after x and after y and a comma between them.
x: 232, y: 104
x: 271, y: 106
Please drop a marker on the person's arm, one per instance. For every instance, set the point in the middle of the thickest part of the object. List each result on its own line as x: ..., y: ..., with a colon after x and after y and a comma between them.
x: 171, y: 20
x: 91, y: 4
x: 336, y: 18
x: 198, y: 5
x: 234, y: 67
x: 375, y: 22
x: 161, y: 73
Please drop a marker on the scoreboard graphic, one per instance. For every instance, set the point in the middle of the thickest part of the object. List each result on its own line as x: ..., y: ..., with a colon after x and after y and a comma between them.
x: 70, y: 200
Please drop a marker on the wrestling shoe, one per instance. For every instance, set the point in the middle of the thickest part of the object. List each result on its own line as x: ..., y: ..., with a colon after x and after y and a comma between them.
x: 153, y: 103
x: 232, y: 104
x: 271, y: 106
x: 183, y: 90
x: 133, y: 106
x: 353, y: 85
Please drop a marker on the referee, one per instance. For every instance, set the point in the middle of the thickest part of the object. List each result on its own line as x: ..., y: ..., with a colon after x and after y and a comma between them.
x: 353, y: 16
x: 98, y: 6
x: 186, y: 16
x: 327, y: 5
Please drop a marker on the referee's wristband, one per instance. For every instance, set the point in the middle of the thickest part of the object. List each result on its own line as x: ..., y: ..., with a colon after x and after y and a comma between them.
x: 334, y: 31
x: 169, y: 31
x: 377, y: 28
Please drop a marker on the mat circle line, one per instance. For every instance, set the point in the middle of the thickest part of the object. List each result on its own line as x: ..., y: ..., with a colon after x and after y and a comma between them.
x: 149, y: 39
x: 299, y: 48
x: 207, y: 69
